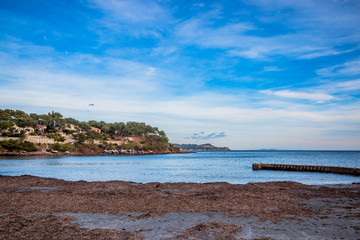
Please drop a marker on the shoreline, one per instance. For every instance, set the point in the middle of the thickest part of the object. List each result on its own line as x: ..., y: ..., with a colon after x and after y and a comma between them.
x: 179, y: 210
x: 89, y: 153
x: 25, y: 154
x: 331, y: 185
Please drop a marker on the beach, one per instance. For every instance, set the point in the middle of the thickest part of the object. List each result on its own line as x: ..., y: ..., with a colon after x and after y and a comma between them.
x: 174, y: 120
x: 42, y: 208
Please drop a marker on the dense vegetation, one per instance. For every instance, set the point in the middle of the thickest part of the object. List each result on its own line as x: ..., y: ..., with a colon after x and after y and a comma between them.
x: 12, y: 145
x: 55, y: 126
x: 55, y: 120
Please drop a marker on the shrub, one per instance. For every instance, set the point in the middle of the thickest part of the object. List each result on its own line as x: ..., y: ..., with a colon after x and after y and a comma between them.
x: 28, y: 146
x: 59, y: 147
x: 16, y: 145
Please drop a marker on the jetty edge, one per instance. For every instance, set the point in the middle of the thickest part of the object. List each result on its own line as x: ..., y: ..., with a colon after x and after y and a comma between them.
x: 307, y: 168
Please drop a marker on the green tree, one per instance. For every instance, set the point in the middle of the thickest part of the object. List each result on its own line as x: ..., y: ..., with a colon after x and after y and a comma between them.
x: 80, y: 137
x: 5, y: 125
x: 16, y: 145
x: 84, y: 126
x: 71, y: 121
x: 5, y: 115
x: 94, y: 135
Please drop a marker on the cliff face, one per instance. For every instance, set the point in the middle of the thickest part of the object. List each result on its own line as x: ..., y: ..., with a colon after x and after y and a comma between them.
x: 201, y: 147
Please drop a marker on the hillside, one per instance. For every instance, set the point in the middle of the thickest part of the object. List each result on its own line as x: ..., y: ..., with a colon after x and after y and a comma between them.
x: 23, y: 133
x: 202, y: 147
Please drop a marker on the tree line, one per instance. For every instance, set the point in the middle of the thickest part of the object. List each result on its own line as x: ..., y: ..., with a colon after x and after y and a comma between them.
x: 55, y: 121
x: 84, y: 133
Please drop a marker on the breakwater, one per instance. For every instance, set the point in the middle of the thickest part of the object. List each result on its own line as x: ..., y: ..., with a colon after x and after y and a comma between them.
x: 307, y: 168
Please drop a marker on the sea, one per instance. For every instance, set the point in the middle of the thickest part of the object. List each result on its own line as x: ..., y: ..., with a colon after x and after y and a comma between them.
x: 200, y: 167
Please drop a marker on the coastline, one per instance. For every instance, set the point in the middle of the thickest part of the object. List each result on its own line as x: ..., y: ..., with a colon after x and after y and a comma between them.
x: 257, y: 203
x: 87, y: 153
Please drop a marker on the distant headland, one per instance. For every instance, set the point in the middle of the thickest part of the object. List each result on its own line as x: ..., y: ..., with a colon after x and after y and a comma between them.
x: 52, y: 134
x: 201, y: 147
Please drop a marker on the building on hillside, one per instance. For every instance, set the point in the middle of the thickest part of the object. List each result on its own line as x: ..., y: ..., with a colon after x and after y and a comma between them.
x: 41, y: 128
x: 28, y: 130
x: 18, y: 129
x: 61, y: 133
x: 96, y: 129
x: 40, y: 139
x: 24, y: 130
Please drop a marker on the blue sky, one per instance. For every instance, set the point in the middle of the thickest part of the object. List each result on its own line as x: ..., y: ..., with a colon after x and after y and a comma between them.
x: 244, y: 74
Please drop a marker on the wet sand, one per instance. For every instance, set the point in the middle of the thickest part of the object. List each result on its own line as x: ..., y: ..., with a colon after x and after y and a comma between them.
x: 45, y: 208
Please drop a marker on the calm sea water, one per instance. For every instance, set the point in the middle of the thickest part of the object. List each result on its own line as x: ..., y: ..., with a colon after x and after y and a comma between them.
x: 228, y: 166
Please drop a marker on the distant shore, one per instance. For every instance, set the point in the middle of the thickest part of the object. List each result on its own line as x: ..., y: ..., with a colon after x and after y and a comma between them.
x: 331, y: 210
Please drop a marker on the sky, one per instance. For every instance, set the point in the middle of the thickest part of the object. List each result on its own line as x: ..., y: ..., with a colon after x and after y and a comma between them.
x: 252, y: 74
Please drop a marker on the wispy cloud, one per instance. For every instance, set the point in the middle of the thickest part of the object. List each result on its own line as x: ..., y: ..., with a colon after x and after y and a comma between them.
x: 135, y: 17
x: 350, y: 68
x: 199, y: 4
x: 352, y: 85
x: 322, y: 52
x: 313, y: 32
x: 316, y: 97
x: 273, y: 69
x: 134, y: 10
x: 237, y: 40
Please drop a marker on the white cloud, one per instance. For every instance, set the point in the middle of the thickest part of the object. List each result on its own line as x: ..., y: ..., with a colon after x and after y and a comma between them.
x: 231, y: 37
x: 350, y: 68
x: 199, y: 5
x: 132, y: 17
x: 312, y: 36
x: 145, y: 12
x: 237, y: 41
x: 258, y: 52
x: 343, y: 88
x: 164, y: 50
x: 314, y: 15
x: 316, y: 97
x: 273, y: 69
x: 132, y: 79
x: 199, y: 31
x: 322, y: 52
x: 348, y: 85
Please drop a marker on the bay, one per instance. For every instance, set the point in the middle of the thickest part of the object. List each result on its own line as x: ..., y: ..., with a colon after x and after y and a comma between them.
x: 227, y: 166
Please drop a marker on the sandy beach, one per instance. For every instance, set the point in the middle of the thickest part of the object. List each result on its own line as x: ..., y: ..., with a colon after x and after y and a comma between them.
x: 45, y: 208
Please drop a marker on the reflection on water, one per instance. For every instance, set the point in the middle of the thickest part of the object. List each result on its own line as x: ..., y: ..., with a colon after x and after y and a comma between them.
x: 230, y: 166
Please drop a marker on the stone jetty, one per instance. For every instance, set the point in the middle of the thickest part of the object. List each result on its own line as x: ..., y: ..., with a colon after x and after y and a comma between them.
x: 307, y: 168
